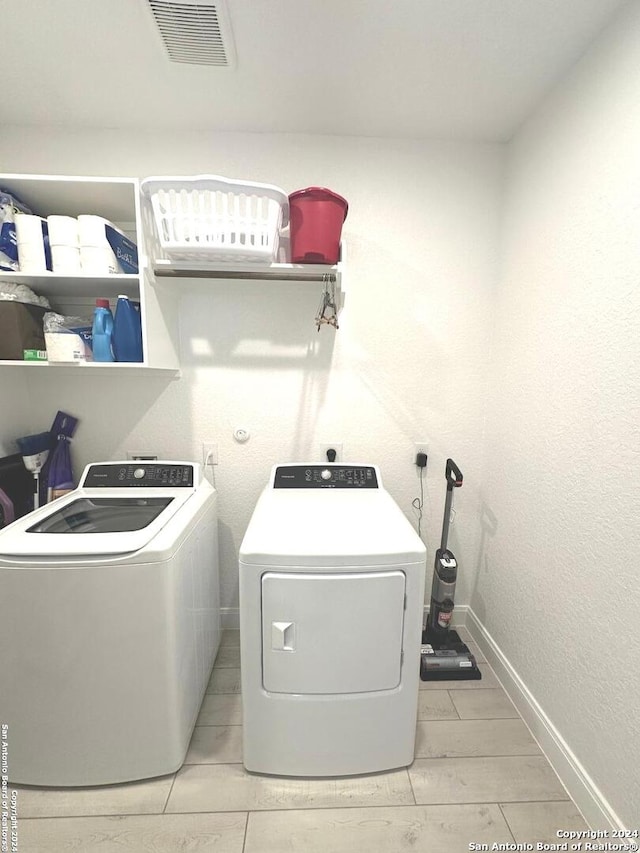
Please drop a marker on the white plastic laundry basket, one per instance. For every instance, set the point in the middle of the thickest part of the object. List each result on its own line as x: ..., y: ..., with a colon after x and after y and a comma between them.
x: 210, y: 218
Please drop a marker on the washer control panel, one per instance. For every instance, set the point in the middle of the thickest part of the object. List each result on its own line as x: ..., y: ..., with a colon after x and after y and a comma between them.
x: 325, y: 477
x: 168, y: 475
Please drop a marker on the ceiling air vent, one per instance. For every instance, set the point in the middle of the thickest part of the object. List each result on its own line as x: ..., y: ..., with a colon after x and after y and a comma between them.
x: 195, y: 32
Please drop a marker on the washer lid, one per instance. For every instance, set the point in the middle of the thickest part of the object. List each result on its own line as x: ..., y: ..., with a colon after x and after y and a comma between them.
x: 93, y: 524
x: 329, y: 527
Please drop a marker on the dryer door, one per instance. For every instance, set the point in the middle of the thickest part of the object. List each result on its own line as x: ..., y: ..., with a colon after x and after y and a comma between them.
x: 332, y: 633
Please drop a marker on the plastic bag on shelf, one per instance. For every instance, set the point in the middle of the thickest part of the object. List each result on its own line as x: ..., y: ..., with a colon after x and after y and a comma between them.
x: 9, y: 206
x: 12, y: 292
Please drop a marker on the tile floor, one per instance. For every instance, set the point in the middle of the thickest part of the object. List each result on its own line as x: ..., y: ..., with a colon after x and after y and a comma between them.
x: 478, y: 777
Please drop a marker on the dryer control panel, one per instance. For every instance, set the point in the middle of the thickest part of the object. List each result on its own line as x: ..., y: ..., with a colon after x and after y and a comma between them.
x: 325, y: 477
x: 139, y: 475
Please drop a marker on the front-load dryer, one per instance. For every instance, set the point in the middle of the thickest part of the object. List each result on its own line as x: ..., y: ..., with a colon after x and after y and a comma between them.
x: 331, y: 602
x: 110, y: 625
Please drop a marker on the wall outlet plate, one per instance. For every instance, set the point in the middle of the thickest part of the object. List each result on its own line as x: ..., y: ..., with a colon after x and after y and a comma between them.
x: 328, y: 445
x: 420, y: 447
x: 209, y: 453
x: 142, y: 457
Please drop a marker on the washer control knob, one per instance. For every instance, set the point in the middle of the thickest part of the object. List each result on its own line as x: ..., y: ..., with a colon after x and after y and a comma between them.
x: 325, y: 474
x: 139, y: 473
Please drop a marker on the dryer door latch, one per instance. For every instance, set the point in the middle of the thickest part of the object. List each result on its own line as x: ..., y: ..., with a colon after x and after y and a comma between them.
x: 283, y: 636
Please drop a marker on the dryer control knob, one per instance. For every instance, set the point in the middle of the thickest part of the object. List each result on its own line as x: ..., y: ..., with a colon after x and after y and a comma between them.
x: 326, y: 474
x: 139, y: 473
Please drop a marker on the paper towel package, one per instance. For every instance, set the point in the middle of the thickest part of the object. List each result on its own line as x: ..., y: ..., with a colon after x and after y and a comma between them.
x: 104, y: 249
x: 69, y: 345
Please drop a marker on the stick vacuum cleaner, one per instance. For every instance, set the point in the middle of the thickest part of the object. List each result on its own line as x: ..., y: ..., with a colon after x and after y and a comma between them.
x: 443, y: 654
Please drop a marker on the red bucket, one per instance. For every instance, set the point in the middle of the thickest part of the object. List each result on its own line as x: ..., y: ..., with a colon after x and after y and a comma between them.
x: 316, y: 216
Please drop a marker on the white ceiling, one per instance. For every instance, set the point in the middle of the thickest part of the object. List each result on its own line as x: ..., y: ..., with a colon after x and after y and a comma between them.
x: 468, y: 69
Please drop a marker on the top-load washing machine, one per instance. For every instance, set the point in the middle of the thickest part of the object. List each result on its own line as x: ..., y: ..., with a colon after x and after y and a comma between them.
x: 110, y: 625
x: 331, y: 602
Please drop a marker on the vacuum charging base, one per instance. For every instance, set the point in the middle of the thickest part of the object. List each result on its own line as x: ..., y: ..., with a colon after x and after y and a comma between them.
x: 443, y: 639
x: 447, y: 659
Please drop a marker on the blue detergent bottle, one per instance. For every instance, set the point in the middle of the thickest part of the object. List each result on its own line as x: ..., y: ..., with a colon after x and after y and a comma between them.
x: 127, y: 330
x: 102, y: 331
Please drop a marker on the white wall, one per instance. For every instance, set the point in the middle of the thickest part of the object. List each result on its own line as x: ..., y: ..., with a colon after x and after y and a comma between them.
x: 15, y: 411
x: 558, y: 586
x: 409, y: 361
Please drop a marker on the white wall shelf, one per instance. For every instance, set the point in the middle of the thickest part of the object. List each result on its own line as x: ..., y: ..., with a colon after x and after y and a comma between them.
x: 193, y: 275
x: 60, y: 285
x: 249, y: 272
x: 118, y: 200
x: 117, y: 366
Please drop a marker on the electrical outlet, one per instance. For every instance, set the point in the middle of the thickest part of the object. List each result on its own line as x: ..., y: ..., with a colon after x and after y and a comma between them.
x: 328, y: 445
x: 142, y: 457
x: 419, y: 447
x: 209, y: 453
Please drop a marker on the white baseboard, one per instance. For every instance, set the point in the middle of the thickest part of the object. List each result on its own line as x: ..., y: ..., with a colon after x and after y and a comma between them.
x: 581, y: 788
x: 230, y: 618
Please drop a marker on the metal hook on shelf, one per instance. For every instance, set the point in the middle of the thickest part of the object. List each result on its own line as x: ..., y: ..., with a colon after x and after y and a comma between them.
x: 328, y: 309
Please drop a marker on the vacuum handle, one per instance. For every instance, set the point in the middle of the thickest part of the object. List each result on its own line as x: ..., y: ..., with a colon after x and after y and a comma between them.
x: 453, y: 475
x: 454, y: 480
